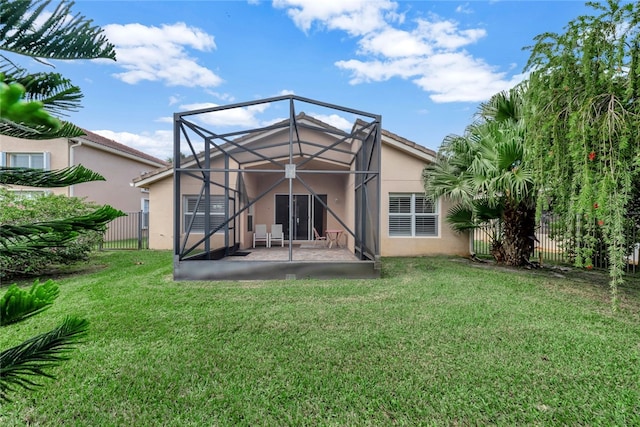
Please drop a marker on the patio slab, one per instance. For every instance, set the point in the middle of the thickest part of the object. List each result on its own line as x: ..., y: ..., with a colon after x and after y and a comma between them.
x: 300, y: 253
x: 263, y: 263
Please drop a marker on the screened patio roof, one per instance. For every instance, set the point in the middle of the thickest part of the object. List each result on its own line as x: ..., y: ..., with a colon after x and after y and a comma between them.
x: 290, y: 148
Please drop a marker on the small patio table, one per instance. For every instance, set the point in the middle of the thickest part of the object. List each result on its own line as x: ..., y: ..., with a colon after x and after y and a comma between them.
x: 334, y: 237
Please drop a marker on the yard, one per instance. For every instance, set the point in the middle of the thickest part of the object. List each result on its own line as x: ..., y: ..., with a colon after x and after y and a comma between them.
x: 436, y: 341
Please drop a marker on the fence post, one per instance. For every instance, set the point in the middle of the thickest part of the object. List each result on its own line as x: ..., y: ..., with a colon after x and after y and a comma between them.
x: 140, y: 229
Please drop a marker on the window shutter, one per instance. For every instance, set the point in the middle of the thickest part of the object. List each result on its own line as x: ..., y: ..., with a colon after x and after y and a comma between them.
x: 400, y: 204
x: 3, y: 159
x: 426, y: 226
x: 400, y: 226
x: 217, y: 212
x: 191, y: 204
x: 424, y: 205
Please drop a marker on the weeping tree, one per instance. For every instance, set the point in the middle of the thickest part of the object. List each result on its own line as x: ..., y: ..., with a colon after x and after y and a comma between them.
x: 485, y: 173
x: 29, y: 104
x: 583, y: 117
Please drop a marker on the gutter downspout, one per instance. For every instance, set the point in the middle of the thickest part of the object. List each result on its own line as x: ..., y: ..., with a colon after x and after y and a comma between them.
x: 72, y: 160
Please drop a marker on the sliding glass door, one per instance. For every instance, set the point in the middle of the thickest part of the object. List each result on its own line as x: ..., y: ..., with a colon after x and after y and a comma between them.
x: 307, y: 213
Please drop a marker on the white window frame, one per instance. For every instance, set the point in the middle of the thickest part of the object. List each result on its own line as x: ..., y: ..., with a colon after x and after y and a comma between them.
x: 29, y: 194
x: 9, y: 159
x: 144, y: 209
x: 217, y: 215
x: 413, y: 216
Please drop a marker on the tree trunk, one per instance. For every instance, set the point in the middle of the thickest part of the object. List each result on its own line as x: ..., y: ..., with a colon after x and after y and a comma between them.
x: 519, y: 226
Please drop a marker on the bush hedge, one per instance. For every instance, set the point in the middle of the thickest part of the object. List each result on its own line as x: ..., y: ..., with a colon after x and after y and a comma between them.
x: 19, y: 208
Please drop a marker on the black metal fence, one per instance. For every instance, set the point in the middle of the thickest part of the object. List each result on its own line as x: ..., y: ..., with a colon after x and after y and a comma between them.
x: 127, y: 232
x: 550, y: 249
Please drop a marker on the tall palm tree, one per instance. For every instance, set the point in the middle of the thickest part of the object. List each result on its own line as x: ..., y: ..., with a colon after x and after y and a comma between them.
x: 27, y: 101
x: 485, y: 173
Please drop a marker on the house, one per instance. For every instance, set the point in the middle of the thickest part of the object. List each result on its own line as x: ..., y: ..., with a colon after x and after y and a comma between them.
x: 116, y: 162
x: 301, y: 173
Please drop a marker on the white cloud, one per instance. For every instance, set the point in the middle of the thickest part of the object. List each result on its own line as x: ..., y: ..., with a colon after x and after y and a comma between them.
x: 166, y: 119
x: 431, y: 54
x: 393, y: 43
x: 158, y: 143
x: 227, y: 97
x: 334, y: 120
x: 464, y: 8
x: 377, y: 71
x: 459, y: 77
x: 356, y: 17
x: 447, y: 76
x: 446, y: 34
x: 244, y: 117
x: 160, y: 54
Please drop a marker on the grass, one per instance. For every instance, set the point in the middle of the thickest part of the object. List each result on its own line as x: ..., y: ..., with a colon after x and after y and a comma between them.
x: 436, y: 341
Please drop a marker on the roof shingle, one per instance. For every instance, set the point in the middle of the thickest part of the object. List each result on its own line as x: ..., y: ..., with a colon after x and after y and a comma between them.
x: 109, y: 143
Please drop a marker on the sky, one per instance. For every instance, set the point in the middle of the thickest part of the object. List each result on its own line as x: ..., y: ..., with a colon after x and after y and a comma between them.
x: 424, y: 66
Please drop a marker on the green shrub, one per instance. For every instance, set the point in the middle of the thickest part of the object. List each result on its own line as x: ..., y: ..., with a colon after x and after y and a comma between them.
x: 20, y: 209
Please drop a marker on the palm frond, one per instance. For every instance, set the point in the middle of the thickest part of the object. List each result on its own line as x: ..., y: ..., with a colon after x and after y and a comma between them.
x: 41, y: 178
x: 57, y: 93
x: 503, y: 106
x: 21, y: 238
x: 442, y: 179
x: 34, y: 357
x: 510, y: 154
x: 18, y: 304
x: 61, y: 35
x: 18, y: 130
x: 486, y: 210
x: 460, y: 218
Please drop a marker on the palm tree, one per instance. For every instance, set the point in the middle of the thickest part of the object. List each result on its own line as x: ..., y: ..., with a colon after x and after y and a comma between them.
x: 485, y: 173
x: 27, y: 101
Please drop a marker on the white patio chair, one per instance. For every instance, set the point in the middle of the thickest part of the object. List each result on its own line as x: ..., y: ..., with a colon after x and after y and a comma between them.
x: 260, y: 235
x: 319, y: 238
x: 276, y: 234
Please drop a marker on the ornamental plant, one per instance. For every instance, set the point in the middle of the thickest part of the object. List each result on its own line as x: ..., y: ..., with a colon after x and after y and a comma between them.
x: 583, y: 122
x: 41, y: 208
x: 27, y: 104
x: 485, y: 174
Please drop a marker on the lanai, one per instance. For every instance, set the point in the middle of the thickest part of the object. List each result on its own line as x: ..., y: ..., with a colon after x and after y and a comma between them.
x: 234, y: 178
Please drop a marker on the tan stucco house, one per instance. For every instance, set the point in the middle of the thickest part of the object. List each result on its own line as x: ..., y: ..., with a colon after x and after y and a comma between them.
x: 116, y: 162
x: 304, y: 174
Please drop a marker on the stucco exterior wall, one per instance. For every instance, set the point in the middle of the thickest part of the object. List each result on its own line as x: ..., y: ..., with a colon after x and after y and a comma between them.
x: 403, y: 174
x: 118, y: 172
x: 161, y: 208
x: 333, y: 186
x: 161, y: 214
x: 161, y: 202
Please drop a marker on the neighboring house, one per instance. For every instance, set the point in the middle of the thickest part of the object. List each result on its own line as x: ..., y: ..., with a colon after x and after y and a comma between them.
x: 116, y: 162
x: 249, y: 181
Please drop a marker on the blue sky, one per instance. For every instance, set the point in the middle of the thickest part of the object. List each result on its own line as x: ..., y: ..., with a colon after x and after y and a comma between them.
x: 423, y: 65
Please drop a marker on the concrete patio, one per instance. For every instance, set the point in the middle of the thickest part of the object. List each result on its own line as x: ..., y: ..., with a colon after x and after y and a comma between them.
x: 301, y: 252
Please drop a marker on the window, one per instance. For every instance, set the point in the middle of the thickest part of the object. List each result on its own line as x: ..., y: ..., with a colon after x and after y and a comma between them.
x: 250, y: 218
x: 217, y: 213
x: 144, y: 207
x: 412, y: 215
x: 30, y: 194
x: 29, y: 160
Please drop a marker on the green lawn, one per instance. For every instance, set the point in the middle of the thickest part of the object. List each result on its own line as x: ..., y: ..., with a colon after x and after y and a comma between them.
x: 436, y: 341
